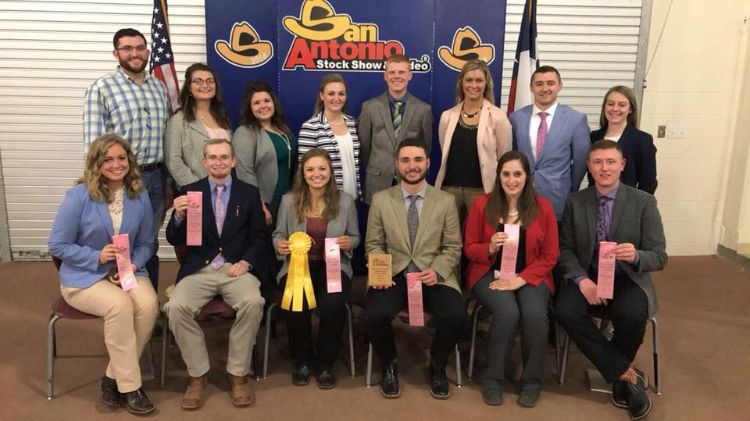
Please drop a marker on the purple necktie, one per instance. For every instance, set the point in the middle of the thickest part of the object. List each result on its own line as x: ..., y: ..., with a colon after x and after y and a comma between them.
x: 603, y: 219
x: 541, y: 134
x: 219, y: 213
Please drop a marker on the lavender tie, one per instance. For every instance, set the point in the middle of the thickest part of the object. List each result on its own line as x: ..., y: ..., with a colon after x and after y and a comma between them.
x: 541, y: 135
x: 220, y: 214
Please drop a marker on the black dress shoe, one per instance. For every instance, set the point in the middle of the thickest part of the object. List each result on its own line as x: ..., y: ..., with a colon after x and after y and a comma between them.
x: 325, y: 377
x: 639, y: 404
x: 138, y: 403
x: 389, y: 386
x: 620, y: 394
x: 492, y: 395
x: 528, y: 398
x: 110, y: 395
x: 439, y: 388
x: 301, y: 374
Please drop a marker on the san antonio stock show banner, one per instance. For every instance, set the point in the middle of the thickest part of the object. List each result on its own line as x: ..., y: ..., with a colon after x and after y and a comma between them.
x: 292, y: 43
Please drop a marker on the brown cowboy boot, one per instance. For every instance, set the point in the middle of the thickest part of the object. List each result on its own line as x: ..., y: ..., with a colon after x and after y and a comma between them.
x: 240, y: 392
x: 193, y: 397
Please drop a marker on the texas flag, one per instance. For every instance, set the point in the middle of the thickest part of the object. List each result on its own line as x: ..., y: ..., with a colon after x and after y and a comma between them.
x: 525, y: 62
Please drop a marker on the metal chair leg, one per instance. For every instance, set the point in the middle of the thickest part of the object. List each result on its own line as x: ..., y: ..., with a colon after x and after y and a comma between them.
x: 654, y: 329
x: 564, y: 363
x: 267, y: 344
x: 164, y: 340
x: 51, y: 354
x: 368, y: 376
x: 474, y: 324
x: 351, y: 340
x: 459, y: 379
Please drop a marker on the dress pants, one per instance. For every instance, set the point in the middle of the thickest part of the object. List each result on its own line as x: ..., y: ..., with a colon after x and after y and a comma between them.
x: 155, y: 181
x: 629, y: 313
x: 188, y: 298
x: 332, y: 311
x: 448, y: 312
x: 464, y: 197
x: 526, y: 306
x: 128, y: 321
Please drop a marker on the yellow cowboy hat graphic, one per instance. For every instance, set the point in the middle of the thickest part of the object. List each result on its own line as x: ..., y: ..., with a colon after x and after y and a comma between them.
x: 466, y: 46
x: 318, y: 22
x: 246, y: 49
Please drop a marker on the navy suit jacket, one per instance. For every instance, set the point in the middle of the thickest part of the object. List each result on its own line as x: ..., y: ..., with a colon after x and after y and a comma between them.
x: 562, y: 164
x: 83, y: 227
x: 243, y: 235
x: 640, y: 153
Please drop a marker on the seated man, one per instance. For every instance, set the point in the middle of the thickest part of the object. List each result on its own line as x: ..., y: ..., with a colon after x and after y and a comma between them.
x: 611, y: 211
x: 418, y: 226
x: 233, y: 232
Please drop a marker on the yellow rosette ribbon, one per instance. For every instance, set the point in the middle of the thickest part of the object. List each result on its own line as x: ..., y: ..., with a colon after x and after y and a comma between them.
x: 298, y: 281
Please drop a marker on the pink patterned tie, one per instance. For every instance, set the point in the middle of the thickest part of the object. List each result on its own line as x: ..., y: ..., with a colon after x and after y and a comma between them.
x: 541, y: 134
x: 219, y: 213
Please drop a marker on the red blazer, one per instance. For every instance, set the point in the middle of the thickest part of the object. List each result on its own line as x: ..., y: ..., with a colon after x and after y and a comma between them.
x: 542, y: 248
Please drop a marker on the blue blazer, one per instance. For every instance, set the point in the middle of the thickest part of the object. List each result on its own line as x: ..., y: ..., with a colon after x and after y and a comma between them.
x: 562, y: 165
x: 243, y: 236
x: 83, y: 227
x: 640, y: 154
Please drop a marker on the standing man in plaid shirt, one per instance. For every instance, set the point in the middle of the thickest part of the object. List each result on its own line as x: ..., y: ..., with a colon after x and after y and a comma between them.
x: 133, y: 104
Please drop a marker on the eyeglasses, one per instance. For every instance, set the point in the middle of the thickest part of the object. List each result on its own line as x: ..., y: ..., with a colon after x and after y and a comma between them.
x: 201, y: 82
x: 130, y: 49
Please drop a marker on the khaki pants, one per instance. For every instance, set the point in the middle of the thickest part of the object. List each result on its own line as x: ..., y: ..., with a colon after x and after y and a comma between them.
x: 192, y: 293
x: 128, y: 321
x: 464, y: 198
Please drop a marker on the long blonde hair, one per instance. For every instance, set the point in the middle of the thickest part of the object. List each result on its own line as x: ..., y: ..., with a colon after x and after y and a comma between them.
x: 301, y: 191
x: 92, y: 175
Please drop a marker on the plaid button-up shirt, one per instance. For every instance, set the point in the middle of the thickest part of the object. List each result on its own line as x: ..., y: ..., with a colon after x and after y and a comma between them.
x: 138, y: 113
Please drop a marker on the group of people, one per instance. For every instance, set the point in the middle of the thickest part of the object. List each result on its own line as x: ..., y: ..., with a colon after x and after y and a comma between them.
x: 260, y: 186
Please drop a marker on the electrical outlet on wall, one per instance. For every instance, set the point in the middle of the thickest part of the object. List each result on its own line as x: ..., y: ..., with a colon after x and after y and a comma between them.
x: 661, y: 132
x: 677, y: 131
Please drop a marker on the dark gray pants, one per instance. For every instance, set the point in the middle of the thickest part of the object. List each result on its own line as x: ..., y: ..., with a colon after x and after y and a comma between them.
x: 527, y: 305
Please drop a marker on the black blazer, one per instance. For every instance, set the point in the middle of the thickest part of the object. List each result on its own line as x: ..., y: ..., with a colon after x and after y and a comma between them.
x: 243, y: 235
x: 639, y: 151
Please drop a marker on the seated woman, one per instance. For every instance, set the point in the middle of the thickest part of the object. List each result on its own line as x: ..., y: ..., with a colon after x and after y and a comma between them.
x: 110, y: 199
x: 201, y: 117
x: 317, y: 207
x: 265, y: 148
x: 619, y: 122
x: 335, y: 132
x: 473, y: 135
x: 521, y: 300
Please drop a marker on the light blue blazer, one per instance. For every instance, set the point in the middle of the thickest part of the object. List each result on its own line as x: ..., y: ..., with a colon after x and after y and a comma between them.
x: 562, y: 164
x: 83, y: 227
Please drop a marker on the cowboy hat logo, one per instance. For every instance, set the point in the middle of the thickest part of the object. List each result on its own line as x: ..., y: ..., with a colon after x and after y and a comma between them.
x: 467, y: 45
x: 246, y: 49
x: 318, y: 22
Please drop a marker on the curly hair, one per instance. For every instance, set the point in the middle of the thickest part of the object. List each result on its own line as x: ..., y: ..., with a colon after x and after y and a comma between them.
x: 92, y: 176
x: 301, y: 191
x: 247, y: 118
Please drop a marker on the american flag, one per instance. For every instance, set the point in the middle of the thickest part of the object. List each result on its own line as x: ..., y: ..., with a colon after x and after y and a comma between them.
x: 162, y: 59
x: 526, y: 60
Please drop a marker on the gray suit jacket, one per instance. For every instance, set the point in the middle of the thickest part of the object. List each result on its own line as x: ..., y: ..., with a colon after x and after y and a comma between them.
x: 635, y: 219
x: 183, y: 148
x: 345, y: 223
x: 438, y: 241
x: 562, y: 164
x: 256, y: 159
x: 379, y: 141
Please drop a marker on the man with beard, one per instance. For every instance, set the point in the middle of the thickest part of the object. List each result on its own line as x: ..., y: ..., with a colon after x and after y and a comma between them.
x: 134, y: 105
x: 418, y: 226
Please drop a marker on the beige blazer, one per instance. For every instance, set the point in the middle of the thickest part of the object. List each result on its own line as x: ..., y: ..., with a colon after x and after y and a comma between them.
x: 438, y: 241
x: 494, y: 138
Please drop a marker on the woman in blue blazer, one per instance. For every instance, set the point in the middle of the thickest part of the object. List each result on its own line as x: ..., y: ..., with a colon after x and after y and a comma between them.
x: 619, y: 122
x: 110, y: 199
x: 316, y: 206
